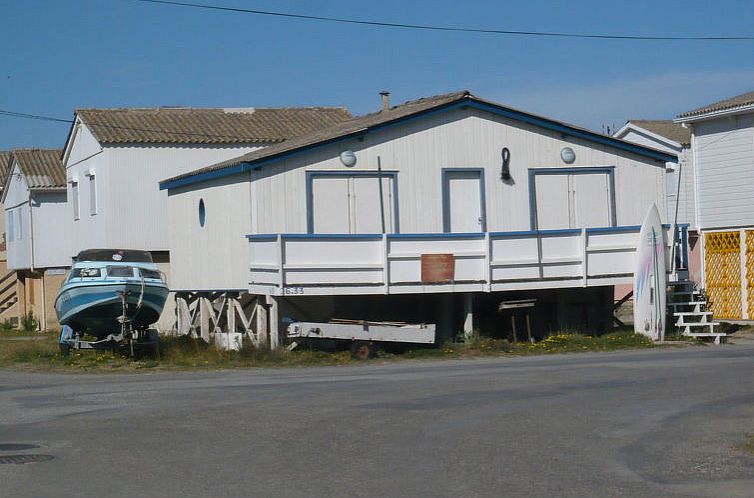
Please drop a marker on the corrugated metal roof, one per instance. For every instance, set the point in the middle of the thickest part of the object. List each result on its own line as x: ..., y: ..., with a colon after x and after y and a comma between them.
x: 383, y: 117
x: 207, y: 126
x: 665, y: 128
x: 6, y: 158
x: 42, y: 168
x: 721, y: 105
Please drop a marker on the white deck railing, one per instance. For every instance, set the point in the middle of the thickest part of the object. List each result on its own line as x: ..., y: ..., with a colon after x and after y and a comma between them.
x: 330, y: 264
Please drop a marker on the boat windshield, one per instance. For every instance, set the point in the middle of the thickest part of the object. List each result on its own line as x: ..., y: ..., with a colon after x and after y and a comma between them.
x: 150, y: 273
x: 86, y: 272
x: 119, y: 255
x: 120, y: 271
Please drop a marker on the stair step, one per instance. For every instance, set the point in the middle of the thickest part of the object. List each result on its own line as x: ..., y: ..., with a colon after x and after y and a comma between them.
x: 693, y: 313
x: 696, y: 324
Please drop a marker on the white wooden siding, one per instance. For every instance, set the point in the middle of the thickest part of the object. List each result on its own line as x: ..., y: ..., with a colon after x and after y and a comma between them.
x: 215, y: 256
x: 40, y: 223
x: 417, y: 150
x: 724, y: 150
x: 686, y: 203
x: 131, y: 210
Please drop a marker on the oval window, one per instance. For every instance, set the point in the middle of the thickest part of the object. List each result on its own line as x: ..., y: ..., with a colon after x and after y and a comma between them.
x: 202, y: 212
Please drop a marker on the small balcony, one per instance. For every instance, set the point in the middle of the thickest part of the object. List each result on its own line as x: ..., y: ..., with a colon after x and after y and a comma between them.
x: 340, y: 264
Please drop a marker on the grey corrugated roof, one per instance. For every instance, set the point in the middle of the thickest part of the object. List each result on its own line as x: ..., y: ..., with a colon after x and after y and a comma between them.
x: 189, y: 125
x: 665, y: 128
x: 6, y: 158
x: 362, y: 123
x: 42, y: 168
x: 721, y: 105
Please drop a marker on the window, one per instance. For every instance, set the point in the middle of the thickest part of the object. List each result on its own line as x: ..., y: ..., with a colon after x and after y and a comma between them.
x: 120, y: 271
x: 75, y: 199
x: 10, y: 225
x: 19, y: 224
x: 92, y: 195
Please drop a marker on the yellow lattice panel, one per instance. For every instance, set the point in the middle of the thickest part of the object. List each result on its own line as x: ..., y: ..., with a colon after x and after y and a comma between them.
x: 750, y: 272
x: 722, y: 265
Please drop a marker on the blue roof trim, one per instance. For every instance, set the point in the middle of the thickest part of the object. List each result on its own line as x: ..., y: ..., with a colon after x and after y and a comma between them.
x: 464, y: 102
x: 261, y: 236
x: 436, y: 235
x: 209, y: 175
x: 631, y: 228
x: 570, y: 131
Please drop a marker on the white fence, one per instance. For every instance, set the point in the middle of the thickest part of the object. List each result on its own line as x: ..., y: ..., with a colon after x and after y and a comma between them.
x: 331, y: 264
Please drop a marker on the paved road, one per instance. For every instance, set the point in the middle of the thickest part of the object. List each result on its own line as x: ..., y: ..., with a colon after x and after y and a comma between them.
x: 641, y: 423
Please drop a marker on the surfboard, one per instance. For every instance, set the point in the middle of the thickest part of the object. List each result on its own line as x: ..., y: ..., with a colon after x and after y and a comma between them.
x: 650, y: 278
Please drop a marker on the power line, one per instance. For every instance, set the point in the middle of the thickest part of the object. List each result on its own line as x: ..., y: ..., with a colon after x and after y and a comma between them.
x: 431, y: 27
x: 95, y: 124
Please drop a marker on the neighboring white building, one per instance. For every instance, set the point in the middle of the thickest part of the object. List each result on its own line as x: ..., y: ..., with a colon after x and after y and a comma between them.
x: 673, y: 138
x: 517, y: 202
x: 722, y: 148
x: 34, y: 199
x: 114, y: 159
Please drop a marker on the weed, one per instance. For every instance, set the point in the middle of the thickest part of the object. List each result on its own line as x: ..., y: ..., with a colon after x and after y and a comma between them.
x: 29, y: 322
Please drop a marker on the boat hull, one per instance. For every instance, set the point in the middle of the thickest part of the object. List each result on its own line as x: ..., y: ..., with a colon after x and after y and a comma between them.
x: 95, y: 308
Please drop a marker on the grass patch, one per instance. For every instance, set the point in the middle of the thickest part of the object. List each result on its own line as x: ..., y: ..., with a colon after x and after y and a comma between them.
x: 178, y: 353
x: 747, y: 446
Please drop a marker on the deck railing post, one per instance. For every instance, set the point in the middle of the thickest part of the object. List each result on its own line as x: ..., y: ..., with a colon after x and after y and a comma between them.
x: 385, y: 263
x: 487, y: 262
x: 585, y: 257
x: 281, y: 268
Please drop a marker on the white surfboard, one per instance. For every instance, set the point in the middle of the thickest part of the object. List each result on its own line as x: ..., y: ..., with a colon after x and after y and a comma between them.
x: 650, y: 279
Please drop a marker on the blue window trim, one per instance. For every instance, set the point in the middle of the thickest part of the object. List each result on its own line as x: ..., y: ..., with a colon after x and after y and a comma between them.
x: 468, y: 102
x: 446, y: 196
x: 585, y: 170
x: 310, y: 175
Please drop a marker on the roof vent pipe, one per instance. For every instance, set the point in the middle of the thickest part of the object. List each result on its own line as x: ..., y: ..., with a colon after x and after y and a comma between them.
x: 385, y: 100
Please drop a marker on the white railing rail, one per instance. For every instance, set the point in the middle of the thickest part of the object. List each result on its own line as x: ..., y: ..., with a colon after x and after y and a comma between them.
x: 322, y: 264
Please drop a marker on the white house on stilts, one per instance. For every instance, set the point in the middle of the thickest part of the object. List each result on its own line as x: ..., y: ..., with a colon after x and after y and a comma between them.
x: 433, y: 211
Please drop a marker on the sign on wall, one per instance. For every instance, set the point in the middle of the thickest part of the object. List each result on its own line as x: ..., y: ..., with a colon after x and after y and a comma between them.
x: 437, y: 268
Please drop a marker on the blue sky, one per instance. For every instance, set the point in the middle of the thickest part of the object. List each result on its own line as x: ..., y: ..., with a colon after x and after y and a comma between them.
x: 56, y: 56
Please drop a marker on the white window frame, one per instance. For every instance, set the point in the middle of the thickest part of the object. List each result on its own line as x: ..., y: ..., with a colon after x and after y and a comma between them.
x: 92, y: 192
x: 75, y: 199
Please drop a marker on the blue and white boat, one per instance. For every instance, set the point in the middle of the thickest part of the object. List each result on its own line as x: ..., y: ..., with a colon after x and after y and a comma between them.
x: 109, y: 287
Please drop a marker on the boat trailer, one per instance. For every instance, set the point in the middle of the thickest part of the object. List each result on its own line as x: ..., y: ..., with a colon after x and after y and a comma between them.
x: 127, y: 341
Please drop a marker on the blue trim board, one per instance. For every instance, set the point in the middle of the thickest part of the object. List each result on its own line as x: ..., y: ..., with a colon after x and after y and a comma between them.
x: 262, y: 236
x: 524, y: 233
x: 446, y: 195
x: 436, y: 235
x: 628, y: 228
x: 468, y: 102
x: 585, y: 170
x: 332, y: 236
x: 310, y: 175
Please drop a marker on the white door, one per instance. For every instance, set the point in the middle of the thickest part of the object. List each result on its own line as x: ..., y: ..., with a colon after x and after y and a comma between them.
x: 464, y: 210
x: 591, y: 201
x: 367, y: 213
x: 573, y: 200
x: 553, y: 201
x: 351, y: 204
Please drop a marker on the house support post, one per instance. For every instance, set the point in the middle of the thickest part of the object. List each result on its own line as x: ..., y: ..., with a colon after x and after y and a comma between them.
x: 468, y: 315
x: 274, y: 323
x: 261, y: 322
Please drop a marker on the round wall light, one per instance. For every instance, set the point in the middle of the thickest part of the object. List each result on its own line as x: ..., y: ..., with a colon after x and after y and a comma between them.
x: 348, y: 158
x: 567, y: 155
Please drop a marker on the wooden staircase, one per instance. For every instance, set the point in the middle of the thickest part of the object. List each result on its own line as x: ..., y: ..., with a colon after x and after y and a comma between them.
x: 688, y: 306
x: 8, y: 295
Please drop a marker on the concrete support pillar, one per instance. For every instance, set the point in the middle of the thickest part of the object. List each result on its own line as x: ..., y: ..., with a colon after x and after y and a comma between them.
x: 261, y: 322
x: 468, y: 315
x: 275, y: 339
x: 204, y: 318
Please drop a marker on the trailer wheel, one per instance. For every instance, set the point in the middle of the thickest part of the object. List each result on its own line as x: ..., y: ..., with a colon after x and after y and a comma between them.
x: 65, y: 349
x: 362, y: 350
